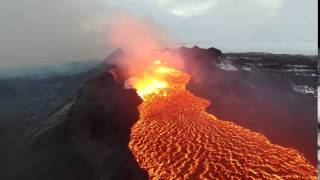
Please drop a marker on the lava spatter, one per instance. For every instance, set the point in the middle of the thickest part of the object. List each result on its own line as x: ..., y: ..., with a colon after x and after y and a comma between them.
x: 176, y: 139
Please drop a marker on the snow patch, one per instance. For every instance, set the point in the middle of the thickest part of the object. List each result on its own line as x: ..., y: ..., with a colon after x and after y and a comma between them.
x: 304, y: 89
x: 226, y: 65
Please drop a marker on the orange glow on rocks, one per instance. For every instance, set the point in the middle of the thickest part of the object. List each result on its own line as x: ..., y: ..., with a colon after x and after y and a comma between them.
x: 176, y: 139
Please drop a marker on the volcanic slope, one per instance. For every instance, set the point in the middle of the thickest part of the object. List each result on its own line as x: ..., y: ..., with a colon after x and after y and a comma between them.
x: 176, y: 139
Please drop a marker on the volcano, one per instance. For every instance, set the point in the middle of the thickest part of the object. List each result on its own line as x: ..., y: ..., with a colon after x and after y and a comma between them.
x: 199, y: 121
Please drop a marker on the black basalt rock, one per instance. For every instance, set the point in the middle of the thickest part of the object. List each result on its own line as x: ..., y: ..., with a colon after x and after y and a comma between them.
x: 87, y: 139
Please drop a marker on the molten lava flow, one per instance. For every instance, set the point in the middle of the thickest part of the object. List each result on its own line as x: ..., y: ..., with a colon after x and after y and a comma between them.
x: 153, y: 81
x: 148, y: 86
x: 176, y: 139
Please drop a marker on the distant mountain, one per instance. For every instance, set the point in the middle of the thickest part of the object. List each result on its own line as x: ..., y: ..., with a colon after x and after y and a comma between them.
x: 46, y: 70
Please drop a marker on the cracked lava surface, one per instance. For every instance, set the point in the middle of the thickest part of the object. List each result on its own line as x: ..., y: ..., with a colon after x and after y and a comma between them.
x: 176, y: 139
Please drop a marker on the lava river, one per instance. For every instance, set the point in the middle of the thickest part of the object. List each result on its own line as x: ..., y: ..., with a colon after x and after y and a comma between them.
x: 176, y: 139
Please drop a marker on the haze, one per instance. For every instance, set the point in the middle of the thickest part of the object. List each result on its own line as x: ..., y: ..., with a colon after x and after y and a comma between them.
x: 38, y: 31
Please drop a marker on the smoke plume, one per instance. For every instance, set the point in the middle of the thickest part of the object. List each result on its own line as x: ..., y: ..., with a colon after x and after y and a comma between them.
x: 142, y: 40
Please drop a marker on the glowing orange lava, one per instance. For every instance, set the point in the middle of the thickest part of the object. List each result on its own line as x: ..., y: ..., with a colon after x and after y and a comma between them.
x: 176, y: 139
x: 153, y: 81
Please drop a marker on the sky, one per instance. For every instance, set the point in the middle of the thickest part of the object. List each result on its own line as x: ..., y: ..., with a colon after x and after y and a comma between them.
x: 44, y: 31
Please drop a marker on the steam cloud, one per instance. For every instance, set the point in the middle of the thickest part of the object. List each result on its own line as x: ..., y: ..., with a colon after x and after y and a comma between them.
x: 142, y: 40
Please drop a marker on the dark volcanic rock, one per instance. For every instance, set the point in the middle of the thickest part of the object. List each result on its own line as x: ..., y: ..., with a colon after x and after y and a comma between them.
x: 87, y: 139
x: 6, y: 91
x: 262, y: 101
x: 300, y: 70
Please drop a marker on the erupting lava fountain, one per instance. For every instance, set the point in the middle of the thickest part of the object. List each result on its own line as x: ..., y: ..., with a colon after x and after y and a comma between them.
x: 176, y: 139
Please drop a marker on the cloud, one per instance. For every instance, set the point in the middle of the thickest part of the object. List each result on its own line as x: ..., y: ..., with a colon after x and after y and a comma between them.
x: 273, y: 4
x: 186, y: 7
x: 271, y: 7
x: 39, y: 31
x: 280, y: 26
